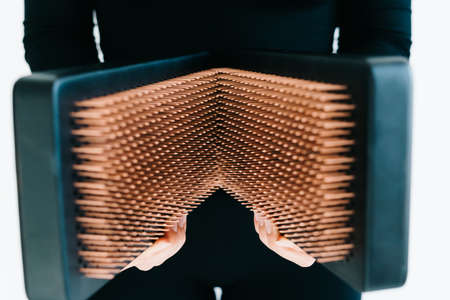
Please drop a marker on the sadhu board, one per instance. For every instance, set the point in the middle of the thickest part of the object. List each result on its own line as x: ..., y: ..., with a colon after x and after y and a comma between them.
x: 373, y: 254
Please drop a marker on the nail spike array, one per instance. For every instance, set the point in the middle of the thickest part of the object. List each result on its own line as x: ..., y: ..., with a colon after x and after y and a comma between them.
x: 144, y: 157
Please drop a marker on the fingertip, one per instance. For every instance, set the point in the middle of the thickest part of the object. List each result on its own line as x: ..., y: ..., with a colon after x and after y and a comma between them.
x: 143, y: 267
x: 268, y: 226
x: 308, y: 261
x: 262, y: 230
x: 129, y: 266
x: 175, y: 227
x: 255, y: 223
x: 182, y: 222
x: 258, y: 216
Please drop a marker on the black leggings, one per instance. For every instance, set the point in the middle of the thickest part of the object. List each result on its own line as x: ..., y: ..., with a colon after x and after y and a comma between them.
x: 134, y: 284
x: 222, y: 249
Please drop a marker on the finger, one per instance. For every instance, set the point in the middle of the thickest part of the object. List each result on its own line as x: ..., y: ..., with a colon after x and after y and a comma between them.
x: 263, y: 238
x: 304, y: 260
x: 146, y: 260
x: 262, y: 230
x: 177, y: 229
x: 182, y: 231
x: 272, y: 232
x: 130, y: 265
x: 182, y: 223
x: 175, y: 226
x: 268, y: 225
x: 256, y: 221
x: 294, y: 253
x: 284, y: 242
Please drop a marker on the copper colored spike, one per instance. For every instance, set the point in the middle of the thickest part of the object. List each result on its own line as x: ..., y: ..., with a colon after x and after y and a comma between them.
x: 144, y: 157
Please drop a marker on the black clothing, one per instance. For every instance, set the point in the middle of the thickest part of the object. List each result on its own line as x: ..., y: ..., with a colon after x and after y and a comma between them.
x: 222, y: 247
x: 59, y: 33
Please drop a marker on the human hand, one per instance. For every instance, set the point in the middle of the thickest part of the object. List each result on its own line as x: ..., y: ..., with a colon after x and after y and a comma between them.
x: 270, y: 237
x: 164, y: 248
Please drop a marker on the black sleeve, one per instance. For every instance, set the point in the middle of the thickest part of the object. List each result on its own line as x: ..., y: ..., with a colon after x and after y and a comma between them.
x: 58, y: 34
x: 375, y: 27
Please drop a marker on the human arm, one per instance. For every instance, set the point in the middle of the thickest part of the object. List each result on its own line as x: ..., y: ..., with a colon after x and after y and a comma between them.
x: 374, y: 27
x: 58, y: 34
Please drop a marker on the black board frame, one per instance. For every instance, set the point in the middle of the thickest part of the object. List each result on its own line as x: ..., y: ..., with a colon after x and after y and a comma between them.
x: 380, y: 86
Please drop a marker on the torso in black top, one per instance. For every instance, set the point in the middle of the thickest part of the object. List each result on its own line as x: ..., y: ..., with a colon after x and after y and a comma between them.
x: 59, y: 33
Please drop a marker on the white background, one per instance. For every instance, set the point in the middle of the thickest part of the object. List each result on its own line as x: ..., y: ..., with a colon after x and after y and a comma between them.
x: 429, y: 265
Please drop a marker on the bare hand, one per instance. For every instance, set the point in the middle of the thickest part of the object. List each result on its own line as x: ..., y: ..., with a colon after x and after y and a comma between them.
x: 270, y: 237
x: 164, y: 248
